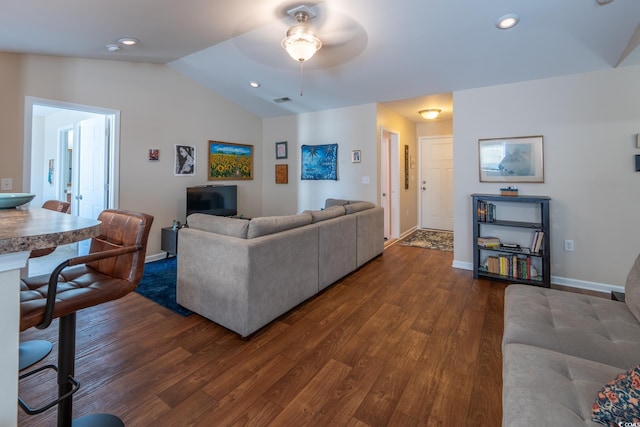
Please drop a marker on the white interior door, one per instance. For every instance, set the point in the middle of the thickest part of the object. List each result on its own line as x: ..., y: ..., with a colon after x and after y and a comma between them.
x: 436, y: 183
x: 91, y: 172
x: 91, y: 167
x: 385, y: 186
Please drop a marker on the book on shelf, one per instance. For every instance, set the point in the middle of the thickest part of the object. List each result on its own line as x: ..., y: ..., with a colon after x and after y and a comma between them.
x: 536, y: 243
x: 486, y: 211
x: 489, y: 242
x: 511, y: 266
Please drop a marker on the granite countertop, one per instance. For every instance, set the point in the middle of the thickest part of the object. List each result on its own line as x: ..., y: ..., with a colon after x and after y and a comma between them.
x: 37, y: 228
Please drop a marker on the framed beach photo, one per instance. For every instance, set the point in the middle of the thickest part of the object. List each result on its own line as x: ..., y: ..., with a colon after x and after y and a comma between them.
x: 184, y: 163
x: 515, y: 159
x: 230, y: 161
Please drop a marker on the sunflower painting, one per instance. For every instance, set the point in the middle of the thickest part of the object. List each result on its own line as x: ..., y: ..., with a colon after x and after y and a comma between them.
x: 320, y: 161
x: 230, y: 161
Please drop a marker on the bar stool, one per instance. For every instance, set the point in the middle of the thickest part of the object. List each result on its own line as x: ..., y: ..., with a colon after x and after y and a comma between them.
x: 33, y: 351
x: 112, y: 269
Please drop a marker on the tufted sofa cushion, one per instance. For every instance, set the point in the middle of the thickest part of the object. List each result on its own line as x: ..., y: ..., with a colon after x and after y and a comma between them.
x: 274, y: 224
x: 546, y: 388
x: 219, y: 224
x: 590, y: 327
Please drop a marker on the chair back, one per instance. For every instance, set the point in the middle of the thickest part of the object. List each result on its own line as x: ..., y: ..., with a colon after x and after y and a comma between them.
x: 121, y: 228
x: 57, y: 205
x: 52, y: 205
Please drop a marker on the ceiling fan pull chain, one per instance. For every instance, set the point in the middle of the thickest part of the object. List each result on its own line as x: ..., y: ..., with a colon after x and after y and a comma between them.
x: 301, y: 78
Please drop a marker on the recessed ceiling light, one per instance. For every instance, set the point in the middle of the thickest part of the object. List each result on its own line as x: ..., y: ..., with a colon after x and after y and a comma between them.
x: 128, y: 41
x: 507, y: 21
x: 254, y: 84
x: 112, y: 47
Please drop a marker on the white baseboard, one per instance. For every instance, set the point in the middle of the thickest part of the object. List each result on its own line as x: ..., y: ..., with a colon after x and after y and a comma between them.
x: 562, y: 281
x: 155, y: 257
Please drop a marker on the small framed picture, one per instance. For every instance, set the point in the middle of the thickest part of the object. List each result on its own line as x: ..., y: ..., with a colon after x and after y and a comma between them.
x: 355, y: 156
x: 185, y: 160
x: 282, y: 174
x: 281, y: 150
x: 154, y: 154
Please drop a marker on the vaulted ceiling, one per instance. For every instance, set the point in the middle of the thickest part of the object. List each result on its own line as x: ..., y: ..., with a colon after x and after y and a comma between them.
x: 410, y: 54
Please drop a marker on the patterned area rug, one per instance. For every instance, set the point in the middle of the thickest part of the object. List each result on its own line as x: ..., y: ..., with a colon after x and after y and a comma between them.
x: 430, y: 239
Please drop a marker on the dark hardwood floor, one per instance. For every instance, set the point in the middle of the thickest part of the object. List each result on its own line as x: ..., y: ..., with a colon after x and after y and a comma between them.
x: 406, y: 340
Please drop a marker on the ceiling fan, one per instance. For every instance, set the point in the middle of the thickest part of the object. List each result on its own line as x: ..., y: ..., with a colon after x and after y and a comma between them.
x: 341, y: 37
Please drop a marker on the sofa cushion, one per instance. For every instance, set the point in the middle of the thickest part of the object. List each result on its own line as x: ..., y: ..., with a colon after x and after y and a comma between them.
x: 585, y: 326
x: 262, y: 226
x: 335, y: 202
x: 234, y: 227
x: 632, y: 289
x: 358, y: 206
x: 546, y: 388
x: 325, y: 214
x: 617, y: 401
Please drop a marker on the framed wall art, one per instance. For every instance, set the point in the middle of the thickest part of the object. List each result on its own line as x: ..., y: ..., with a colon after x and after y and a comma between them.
x: 282, y: 174
x: 320, y: 162
x: 154, y: 154
x: 515, y: 159
x: 355, y: 156
x: 282, y: 151
x: 228, y: 160
x: 184, y: 163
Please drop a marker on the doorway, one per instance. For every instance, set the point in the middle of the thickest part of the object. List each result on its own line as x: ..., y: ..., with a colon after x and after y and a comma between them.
x: 436, y: 183
x: 389, y: 183
x: 70, y: 153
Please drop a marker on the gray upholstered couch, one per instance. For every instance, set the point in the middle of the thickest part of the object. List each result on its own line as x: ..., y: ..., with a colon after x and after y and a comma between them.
x: 560, y: 348
x: 242, y: 274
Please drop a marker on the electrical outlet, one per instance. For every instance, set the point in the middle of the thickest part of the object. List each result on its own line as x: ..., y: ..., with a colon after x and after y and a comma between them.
x: 569, y: 246
x: 6, y: 184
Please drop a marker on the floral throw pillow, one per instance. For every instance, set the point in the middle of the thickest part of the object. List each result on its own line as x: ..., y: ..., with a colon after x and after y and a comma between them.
x: 619, y: 400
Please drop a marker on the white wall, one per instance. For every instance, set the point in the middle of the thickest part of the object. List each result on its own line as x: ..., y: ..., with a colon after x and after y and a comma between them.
x: 159, y: 108
x: 589, y: 123
x: 352, y: 128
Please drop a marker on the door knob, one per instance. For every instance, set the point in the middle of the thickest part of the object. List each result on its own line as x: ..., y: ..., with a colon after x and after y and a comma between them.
x: 424, y: 188
x: 79, y: 197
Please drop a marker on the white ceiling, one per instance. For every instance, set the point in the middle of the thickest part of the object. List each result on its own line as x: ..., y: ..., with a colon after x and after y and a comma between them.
x: 414, y: 51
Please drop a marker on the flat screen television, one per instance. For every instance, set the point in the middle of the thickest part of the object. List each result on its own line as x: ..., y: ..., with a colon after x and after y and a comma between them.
x: 221, y: 200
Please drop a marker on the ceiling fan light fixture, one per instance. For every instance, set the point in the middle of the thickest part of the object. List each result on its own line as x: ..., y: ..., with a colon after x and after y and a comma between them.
x: 301, y: 42
x: 507, y: 21
x: 430, y: 114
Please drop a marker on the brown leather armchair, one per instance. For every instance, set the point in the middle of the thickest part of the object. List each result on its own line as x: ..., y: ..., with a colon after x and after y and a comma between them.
x: 112, y: 269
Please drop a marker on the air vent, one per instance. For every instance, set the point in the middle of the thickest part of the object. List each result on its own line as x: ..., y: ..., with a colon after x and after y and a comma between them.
x: 281, y: 100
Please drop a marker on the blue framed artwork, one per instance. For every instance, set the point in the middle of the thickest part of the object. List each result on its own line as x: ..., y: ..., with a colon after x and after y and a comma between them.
x: 320, y: 162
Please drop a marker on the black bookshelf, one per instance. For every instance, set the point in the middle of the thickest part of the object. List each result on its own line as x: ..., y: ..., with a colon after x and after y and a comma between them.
x: 497, y: 220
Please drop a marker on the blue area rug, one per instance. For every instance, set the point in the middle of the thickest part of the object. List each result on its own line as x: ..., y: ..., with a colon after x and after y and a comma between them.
x: 159, y: 284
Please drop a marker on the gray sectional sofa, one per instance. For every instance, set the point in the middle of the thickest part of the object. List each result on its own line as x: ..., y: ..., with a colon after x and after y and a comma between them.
x: 243, y: 274
x: 560, y: 348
